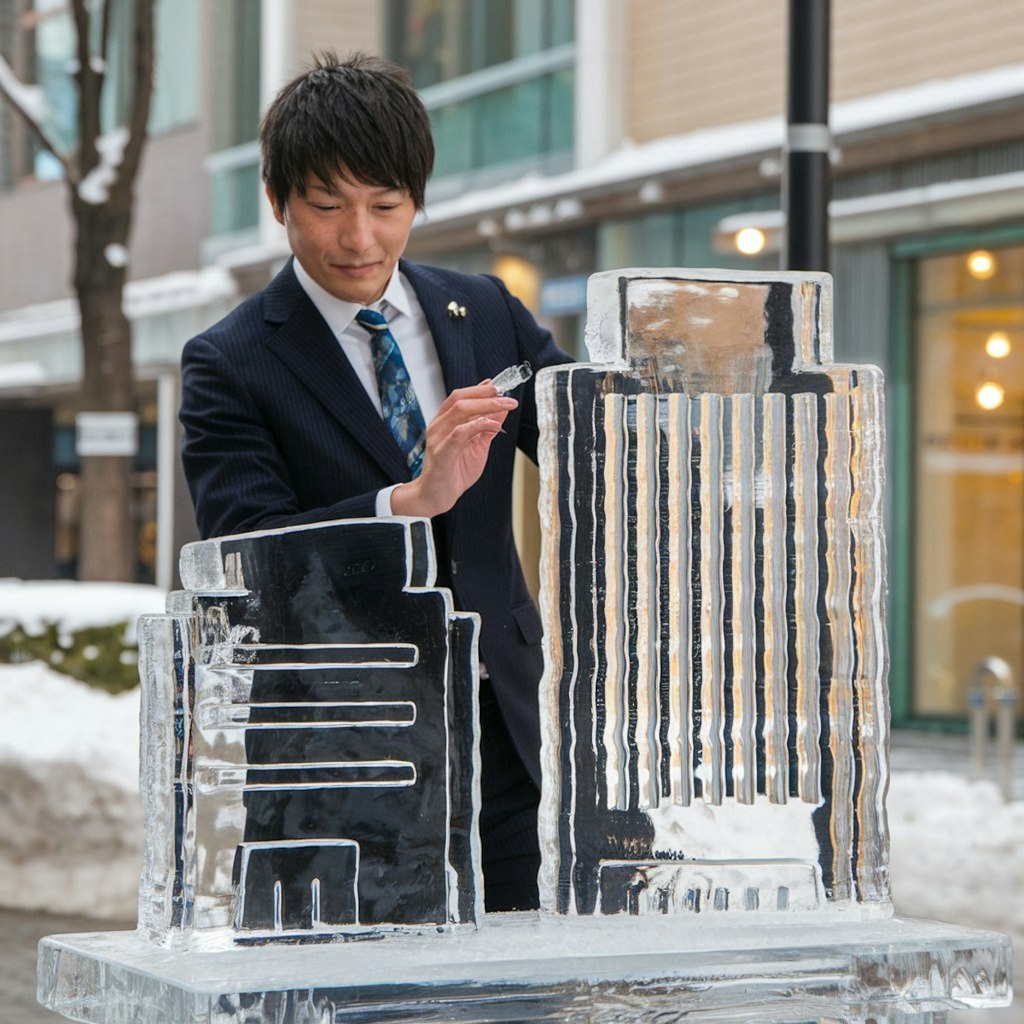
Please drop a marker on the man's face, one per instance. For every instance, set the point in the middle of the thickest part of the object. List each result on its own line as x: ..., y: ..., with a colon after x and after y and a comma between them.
x: 348, y: 235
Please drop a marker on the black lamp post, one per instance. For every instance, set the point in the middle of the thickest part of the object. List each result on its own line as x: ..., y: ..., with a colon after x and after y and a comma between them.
x: 806, y: 184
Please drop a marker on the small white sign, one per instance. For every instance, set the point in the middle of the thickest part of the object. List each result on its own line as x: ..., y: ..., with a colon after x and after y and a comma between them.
x: 106, y: 433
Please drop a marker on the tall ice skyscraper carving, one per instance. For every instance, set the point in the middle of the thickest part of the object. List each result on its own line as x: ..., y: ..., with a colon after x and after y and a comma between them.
x: 713, y: 579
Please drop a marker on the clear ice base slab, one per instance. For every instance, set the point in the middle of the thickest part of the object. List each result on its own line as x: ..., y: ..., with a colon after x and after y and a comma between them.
x: 519, y: 967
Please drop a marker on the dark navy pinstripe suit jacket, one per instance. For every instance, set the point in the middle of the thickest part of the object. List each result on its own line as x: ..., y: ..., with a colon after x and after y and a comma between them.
x: 279, y: 431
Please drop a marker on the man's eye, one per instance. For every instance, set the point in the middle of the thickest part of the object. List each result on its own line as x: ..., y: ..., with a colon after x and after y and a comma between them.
x: 386, y: 207
x: 323, y: 206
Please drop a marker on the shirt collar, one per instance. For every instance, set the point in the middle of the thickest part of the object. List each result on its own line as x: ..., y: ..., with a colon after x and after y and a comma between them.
x: 339, y: 314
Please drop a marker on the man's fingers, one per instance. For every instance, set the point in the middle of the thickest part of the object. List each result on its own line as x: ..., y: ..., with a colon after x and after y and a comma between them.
x: 481, y: 425
x: 464, y: 410
x: 485, y: 389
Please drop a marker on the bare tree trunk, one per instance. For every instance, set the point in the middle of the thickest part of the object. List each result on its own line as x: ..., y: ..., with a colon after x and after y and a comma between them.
x: 103, y: 218
x: 107, y: 542
x: 106, y: 538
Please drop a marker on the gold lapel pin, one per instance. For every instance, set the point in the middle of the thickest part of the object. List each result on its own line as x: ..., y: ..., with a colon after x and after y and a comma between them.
x: 454, y: 309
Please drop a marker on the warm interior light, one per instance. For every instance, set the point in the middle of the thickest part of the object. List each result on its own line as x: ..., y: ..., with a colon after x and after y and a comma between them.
x: 990, y: 395
x: 997, y: 345
x: 520, y: 276
x: 981, y: 264
x: 750, y: 241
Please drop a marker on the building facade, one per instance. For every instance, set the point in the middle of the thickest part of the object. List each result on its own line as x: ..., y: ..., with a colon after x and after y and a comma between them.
x: 576, y: 136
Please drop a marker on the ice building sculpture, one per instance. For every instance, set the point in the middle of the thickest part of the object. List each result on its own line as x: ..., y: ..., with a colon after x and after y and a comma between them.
x: 714, y: 713
x: 714, y: 708
x: 308, y: 736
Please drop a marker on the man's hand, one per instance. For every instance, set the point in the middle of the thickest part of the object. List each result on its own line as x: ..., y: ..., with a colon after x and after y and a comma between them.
x: 458, y: 440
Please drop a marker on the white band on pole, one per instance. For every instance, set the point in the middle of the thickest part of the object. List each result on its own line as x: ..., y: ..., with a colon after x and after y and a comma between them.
x: 808, y: 138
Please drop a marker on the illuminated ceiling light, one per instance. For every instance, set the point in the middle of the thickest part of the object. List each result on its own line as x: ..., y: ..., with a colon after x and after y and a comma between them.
x: 515, y: 220
x: 750, y: 241
x: 997, y: 345
x: 981, y: 264
x: 990, y: 395
x: 539, y: 215
x: 487, y: 227
x: 651, y: 191
x: 568, y: 208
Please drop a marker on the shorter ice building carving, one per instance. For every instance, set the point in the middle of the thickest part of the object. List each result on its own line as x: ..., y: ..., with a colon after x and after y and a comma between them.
x: 308, y: 736
x: 714, y: 710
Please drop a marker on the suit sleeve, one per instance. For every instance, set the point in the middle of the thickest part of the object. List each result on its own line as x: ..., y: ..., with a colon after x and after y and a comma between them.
x: 537, y: 346
x: 236, y: 474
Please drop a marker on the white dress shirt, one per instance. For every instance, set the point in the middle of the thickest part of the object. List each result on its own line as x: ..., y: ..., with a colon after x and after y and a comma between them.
x: 408, y: 325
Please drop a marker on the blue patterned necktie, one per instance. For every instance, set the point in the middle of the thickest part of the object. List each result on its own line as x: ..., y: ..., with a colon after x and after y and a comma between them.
x: 401, y: 410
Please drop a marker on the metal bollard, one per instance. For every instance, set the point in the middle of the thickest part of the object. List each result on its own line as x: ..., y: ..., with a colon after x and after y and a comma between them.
x: 992, y: 675
x: 1006, y: 706
x: 977, y: 709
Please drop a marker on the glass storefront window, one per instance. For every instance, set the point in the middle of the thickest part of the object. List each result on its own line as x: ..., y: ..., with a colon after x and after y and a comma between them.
x: 497, y: 78
x: 438, y: 40
x: 235, y: 195
x: 233, y: 167
x: 683, y: 237
x: 54, y: 47
x: 968, y: 535
x: 177, y: 73
x: 529, y: 119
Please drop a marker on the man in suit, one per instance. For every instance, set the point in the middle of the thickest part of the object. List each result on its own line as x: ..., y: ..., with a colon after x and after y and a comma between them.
x: 294, y: 414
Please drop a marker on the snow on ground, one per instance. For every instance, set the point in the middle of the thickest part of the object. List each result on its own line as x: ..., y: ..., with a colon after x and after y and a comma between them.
x: 71, y: 835
x: 70, y: 816
x: 74, y: 606
x: 957, y: 855
x: 957, y: 851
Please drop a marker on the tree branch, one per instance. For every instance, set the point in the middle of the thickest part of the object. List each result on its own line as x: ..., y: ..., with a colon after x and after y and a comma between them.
x: 142, y: 90
x: 105, y: 32
x: 88, y: 91
x: 18, y: 96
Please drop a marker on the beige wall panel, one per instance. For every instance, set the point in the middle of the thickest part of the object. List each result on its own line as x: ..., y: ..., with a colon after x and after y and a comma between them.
x: 341, y: 25
x: 172, y: 209
x: 880, y: 45
x: 35, y: 245
x: 694, y: 65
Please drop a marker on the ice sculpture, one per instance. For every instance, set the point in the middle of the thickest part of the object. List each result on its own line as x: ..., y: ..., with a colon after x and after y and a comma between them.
x: 309, y: 735
x: 714, y: 709
x: 714, y: 715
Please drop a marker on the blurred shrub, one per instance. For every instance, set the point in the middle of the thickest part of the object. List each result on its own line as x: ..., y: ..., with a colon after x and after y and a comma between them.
x: 97, y: 655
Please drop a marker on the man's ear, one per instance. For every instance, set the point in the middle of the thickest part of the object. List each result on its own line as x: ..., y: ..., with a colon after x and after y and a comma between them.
x: 278, y: 211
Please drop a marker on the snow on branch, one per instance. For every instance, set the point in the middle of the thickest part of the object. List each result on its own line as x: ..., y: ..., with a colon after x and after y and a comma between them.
x: 31, y: 103
x: 95, y: 187
x: 30, y: 100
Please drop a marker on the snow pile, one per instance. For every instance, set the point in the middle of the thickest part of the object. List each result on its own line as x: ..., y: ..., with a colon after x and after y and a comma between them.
x: 956, y: 857
x: 957, y: 852
x: 71, y: 840
x: 74, y: 606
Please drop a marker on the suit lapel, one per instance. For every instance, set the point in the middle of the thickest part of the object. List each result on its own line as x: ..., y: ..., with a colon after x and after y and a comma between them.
x: 452, y: 334
x: 306, y: 345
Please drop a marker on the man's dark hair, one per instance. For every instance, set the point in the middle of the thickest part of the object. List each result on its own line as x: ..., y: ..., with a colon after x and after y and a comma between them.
x: 360, y: 117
